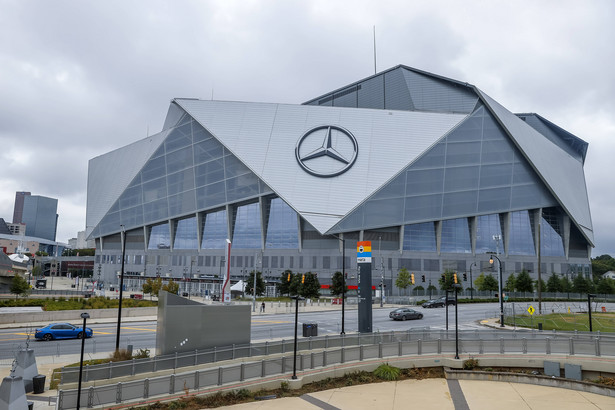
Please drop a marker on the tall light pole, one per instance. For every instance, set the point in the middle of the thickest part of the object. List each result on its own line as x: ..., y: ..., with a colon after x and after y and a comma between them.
x: 119, y: 311
x: 471, y: 283
x: 254, y: 284
x: 297, y: 299
x: 589, y: 308
x: 84, y: 316
x: 456, y: 288
x: 500, y: 289
x: 381, y: 271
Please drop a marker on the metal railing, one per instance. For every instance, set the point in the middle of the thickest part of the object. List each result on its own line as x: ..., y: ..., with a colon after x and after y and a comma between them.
x: 326, y: 351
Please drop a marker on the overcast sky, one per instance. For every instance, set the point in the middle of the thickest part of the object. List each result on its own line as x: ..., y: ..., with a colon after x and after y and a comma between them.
x: 81, y: 78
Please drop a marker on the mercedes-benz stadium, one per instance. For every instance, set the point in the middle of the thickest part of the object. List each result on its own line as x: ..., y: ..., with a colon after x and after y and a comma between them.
x: 432, y: 170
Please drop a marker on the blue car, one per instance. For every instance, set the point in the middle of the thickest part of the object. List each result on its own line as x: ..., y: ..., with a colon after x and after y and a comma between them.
x: 61, y: 331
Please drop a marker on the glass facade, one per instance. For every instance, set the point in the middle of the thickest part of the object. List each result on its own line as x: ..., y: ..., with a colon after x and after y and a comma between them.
x: 215, y: 230
x: 186, y: 234
x: 247, y: 231
x: 160, y: 237
x: 521, y: 238
x: 486, y: 227
x: 456, y: 236
x: 282, y: 227
x: 420, y: 237
x: 551, y: 241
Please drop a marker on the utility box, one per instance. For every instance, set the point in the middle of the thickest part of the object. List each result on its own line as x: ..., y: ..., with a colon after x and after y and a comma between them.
x: 310, y: 329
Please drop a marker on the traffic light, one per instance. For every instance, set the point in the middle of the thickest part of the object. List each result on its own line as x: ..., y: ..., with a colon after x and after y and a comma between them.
x: 302, y: 278
x: 455, y: 277
x: 465, y: 277
x: 412, y: 278
x: 422, y: 278
x: 289, y: 277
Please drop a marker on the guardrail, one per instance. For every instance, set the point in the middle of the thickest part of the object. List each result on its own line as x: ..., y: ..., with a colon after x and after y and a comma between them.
x: 339, y: 350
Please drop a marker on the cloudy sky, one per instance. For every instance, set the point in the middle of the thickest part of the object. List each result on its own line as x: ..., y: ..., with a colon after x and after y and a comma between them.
x: 81, y: 78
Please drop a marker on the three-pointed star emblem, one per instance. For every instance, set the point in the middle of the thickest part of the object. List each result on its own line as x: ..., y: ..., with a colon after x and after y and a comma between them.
x: 341, y: 156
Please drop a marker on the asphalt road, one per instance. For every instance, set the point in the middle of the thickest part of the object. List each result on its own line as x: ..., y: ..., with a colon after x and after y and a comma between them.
x: 142, y: 335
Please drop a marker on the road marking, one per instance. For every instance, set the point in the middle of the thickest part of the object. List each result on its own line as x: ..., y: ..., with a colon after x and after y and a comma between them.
x: 271, y: 321
x: 139, y: 328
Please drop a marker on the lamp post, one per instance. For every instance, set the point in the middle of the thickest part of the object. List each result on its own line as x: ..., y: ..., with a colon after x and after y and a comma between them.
x: 254, y: 284
x: 446, y: 307
x: 499, y: 289
x: 98, y: 281
x: 381, y: 271
x: 84, y: 316
x: 297, y: 299
x: 430, y: 289
x: 471, y: 283
x: 589, y: 308
x: 119, y: 311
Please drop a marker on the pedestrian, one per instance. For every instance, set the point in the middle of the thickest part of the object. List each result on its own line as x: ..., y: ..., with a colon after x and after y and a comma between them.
x: 263, y: 307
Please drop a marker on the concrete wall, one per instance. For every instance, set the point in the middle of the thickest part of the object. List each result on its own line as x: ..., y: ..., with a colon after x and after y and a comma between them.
x: 32, y: 318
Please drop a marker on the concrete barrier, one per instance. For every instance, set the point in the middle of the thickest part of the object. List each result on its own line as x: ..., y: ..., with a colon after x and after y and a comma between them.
x: 26, y: 318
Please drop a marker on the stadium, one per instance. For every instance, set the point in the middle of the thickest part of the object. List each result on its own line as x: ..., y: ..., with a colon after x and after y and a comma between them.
x: 432, y: 170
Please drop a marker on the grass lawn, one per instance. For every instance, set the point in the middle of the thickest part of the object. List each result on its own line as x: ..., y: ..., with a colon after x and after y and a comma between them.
x: 603, y: 322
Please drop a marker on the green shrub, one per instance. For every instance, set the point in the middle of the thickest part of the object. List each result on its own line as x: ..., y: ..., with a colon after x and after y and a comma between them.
x: 470, y: 364
x: 387, y: 372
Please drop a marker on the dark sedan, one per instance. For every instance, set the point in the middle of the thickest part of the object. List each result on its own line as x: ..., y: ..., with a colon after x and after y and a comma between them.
x: 61, y: 331
x: 405, y: 314
x: 434, y: 303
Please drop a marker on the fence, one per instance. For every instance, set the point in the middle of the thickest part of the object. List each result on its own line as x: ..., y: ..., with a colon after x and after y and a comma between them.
x: 327, y: 351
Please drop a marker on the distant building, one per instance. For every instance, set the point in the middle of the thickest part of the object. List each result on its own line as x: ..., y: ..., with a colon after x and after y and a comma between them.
x: 610, y: 275
x: 17, y: 229
x: 4, y: 228
x: 40, y: 216
x: 18, y: 209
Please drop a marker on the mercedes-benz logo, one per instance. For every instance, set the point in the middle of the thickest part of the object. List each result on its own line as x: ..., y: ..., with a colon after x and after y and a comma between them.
x: 326, y: 151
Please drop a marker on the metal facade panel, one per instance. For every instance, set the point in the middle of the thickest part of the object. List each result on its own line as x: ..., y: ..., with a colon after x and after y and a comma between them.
x: 110, y: 174
x: 264, y: 137
x: 562, y: 173
x: 396, y: 94
x: 433, y: 94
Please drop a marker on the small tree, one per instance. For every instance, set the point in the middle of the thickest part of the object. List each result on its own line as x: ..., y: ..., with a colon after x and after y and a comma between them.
x: 152, y: 286
x: 260, y: 284
x: 447, y: 279
x: 582, y: 285
x: 489, y: 284
x: 285, y: 281
x: 479, y: 281
x: 171, y: 286
x: 20, y: 286
x: 510, y: 283
x: 554, y: 284
x: 310, y: 288
x: 543, y: 285
x: 524, y: 282
x: 337, y: 284
x: 403, y: 279
x: 566, y: 284
x: 605, y: 286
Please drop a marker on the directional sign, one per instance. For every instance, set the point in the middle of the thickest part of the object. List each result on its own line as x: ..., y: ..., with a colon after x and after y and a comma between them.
x: 364, y: 252
x: 531, y: 310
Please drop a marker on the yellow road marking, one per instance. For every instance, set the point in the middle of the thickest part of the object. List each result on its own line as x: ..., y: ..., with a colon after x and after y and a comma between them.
x: 271, y: 321
x: 139, y: 328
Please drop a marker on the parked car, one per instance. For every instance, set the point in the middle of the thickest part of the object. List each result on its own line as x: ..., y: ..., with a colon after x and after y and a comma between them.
x: 61, y: 331
x: 405, y: 314
x: 433, y: 303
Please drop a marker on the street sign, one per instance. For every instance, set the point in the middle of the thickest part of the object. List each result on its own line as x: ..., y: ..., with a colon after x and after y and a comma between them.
x: 531, y: 310
x: 364, y: 252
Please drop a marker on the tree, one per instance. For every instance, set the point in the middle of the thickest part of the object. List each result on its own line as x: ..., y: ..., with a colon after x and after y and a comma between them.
x: 511, y: 284
x: 524, y: 282
x: 260, y: 284
x: 566, y: 284
x: 171, y: 287
x: 602, y: 264
x: 447, y: 279
x: 20, y: 286
x: 605, y: 286
x: 285, y: 281
x: 489, y: 284
x: 337, y: 284
x: 36, y: 271
x: 478, y: 282
x: 582, y: 285
x: 152, y: 286
x: 554, y: 284
x: 403, y: 279
x: 543, y: 285
x: 310, y: 288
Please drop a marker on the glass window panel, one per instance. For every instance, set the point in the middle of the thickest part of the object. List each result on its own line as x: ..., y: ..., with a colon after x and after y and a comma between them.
x: 207, y: 150
x: 247, y: 230
x: 434, y: 158
x: 461, y: 178
x: 182, y: 204
x: 199, y: 133
x: 420, y: 237
x: 456, y: 236
x: 110, y: 223
x: 497, y: 151
x: 423, y: 207
x: 131, y: 197
x: 155, y: 168
x: 522, y: 174
x: 215, y: 230
x: 154, y: 190
x: 159, y: 152
x: 470, y: 130
x: 486, y: 227
x: 160, y: 237
x: 186, y: 234
x: 394, y: 189
x: 180, y: 137
x: 459, y: 203
x: 155, y: 211
x: 180, y: 181
x: 179, y: 160
x: 462, y: 153
x: 241, y: 187
x: 551, y: 241
x: 211, y: 195
x: 234, y: 167
x: 132, y: 216
x: 282, y: 227
x: 384, y: 212
x: 495, y: 175
x: 421, y: 181
x: 495, y: 199
x: 209, y: 172
x: 521, y: 239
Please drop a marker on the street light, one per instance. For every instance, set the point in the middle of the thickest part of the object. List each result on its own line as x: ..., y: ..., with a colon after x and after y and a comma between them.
x: 84, y: 316
x: 472, y: 283
x: 119, y: 311
x: 499, y: 289
x: 446, y: 307
x: 297, y: 299
x: 589, y: 308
